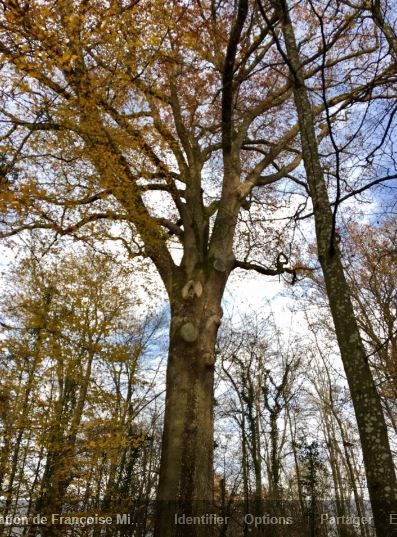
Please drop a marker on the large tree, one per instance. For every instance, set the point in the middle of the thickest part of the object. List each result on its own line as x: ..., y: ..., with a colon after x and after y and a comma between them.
x: 380, y: 470
x: 155, y: 125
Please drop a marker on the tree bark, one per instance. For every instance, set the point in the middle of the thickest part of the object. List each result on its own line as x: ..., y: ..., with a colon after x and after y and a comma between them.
x: 378, y: 15
x: 381, y: 477
x: 58, y: 471
x: 186, y: 468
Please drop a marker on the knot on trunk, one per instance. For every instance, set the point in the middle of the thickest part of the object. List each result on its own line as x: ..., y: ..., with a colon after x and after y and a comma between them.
x: 209, y: 359
x: 193, y: 288
x: 219, y: 265
x: 189, y: 332
x: 213, y: 319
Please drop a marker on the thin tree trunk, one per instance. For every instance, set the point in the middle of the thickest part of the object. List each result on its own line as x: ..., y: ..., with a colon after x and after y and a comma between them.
x: 340, y: 501
x: 60, y: 458
x: 245, y: 470
x: 296, y: 464
x: 352, y: 475
x: 34, y: 485
x: 381, y: 478
x: 24, y: 412
x: 5, y: 411
x: 253, y: 419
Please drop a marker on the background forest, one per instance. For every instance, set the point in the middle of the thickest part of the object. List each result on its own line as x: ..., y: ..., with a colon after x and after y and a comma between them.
x: 198, y: 305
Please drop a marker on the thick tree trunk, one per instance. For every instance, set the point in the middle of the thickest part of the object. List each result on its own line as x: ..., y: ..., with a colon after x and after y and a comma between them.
x: 378, y: 460
x: 381, y: 478
x: 195, y: 290
x: 186, y: 468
